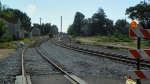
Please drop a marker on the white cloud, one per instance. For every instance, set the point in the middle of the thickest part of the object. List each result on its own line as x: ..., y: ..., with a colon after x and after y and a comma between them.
x: 31, y: 9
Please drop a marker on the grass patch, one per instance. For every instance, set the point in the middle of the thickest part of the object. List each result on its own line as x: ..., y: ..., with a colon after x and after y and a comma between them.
x: 13, y: 44
x: 113, y: 38
x: 8, y: 45
x: 121, y: 41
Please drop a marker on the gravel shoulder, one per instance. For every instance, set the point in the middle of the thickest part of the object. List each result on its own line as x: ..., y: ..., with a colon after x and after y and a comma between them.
x: 83, y: 64
x: 4, y: 53
x: 10, y: 67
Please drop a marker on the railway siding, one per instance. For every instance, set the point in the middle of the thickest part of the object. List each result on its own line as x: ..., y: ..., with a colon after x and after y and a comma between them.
x: 83, y: 64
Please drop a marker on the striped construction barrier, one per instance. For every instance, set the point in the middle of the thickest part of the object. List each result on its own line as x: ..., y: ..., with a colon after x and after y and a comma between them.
x: 143, y: 33
x: 137, y: 31
x: 140, y: 53
x: 139, y: 74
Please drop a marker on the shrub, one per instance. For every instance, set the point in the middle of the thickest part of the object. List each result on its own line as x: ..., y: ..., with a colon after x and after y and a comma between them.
x: 78, y: 42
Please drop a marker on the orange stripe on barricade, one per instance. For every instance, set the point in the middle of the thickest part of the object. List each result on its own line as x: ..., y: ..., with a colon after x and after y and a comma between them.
x: 135, y: 53
x: 147, y: 52
x: 140, y: 74
x: 145, y: 32
x: 132, y: 33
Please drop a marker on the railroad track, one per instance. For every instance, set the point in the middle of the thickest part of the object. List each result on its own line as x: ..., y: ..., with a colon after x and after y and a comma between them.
x: 145, y: 64
x: 24, y: 79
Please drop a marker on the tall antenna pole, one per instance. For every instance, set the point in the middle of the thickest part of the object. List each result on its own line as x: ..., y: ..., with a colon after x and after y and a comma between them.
x: 40, y: 26
x: 40, y: 21
x: 61, y: 25
x: 60, y: 38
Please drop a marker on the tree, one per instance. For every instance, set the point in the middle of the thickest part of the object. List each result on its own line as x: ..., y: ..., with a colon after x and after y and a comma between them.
x: 54, y: 29
x: 78, y: 23
x: 98, y: 22
x: 36, y: 25
x: 3, y: 12
x: 121, y: 26
x: 108, y: 28
x: 46, y: 28
x: 140, y: 12
x: 70, y: 30
x: 25, y: 20
x: 4, y: 32
x: 2, y: 23
x: 87, y: 21
x: 1, y: 7
x: 2, y: 28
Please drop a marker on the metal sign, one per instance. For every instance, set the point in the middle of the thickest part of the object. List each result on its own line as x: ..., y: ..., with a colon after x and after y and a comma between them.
x: 139, y: 74
x: 142, y: 33
x: 140, y: 53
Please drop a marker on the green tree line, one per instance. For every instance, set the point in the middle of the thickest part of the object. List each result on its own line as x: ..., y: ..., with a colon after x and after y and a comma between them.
x: 99, y: 24
x: 7, y: 14
x: 46, y: 28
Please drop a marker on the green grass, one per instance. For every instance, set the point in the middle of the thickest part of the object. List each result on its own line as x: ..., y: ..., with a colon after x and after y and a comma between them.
x: 8, y: 45
x: 113, y: 38
x: 13, y: 44
x: 116, y: 41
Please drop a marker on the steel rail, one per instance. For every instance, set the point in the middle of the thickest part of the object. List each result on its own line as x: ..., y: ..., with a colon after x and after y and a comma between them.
x: 22, y: 62
x: 23, y: 73
x: 112, y: 56
x: 54, y: 64
x: 24, y: 79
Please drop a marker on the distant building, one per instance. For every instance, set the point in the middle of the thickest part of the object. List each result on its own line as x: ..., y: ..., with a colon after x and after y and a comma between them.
x: 15, y: 28
x: 30, y: 34
x: 36, y: 31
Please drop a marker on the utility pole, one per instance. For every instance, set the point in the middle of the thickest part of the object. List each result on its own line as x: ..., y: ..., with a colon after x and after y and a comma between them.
x: 40, y: 21
x: 41, y: 26
x: 61, y: 25
x: 60, y: 36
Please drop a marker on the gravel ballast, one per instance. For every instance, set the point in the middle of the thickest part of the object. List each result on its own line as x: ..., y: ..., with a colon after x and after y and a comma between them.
x: 97, y: 48
x: 102, y: 48
x: 82, y: 64
x: 35, y: 64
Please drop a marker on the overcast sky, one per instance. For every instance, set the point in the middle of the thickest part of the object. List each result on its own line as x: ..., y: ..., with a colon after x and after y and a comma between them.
x: 51, y: 10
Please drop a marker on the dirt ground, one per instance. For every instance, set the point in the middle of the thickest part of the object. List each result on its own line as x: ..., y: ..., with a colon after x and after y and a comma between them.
x: 4, y: 53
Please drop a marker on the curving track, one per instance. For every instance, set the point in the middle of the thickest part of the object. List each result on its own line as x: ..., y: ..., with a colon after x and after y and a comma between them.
x: 24, y: 78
